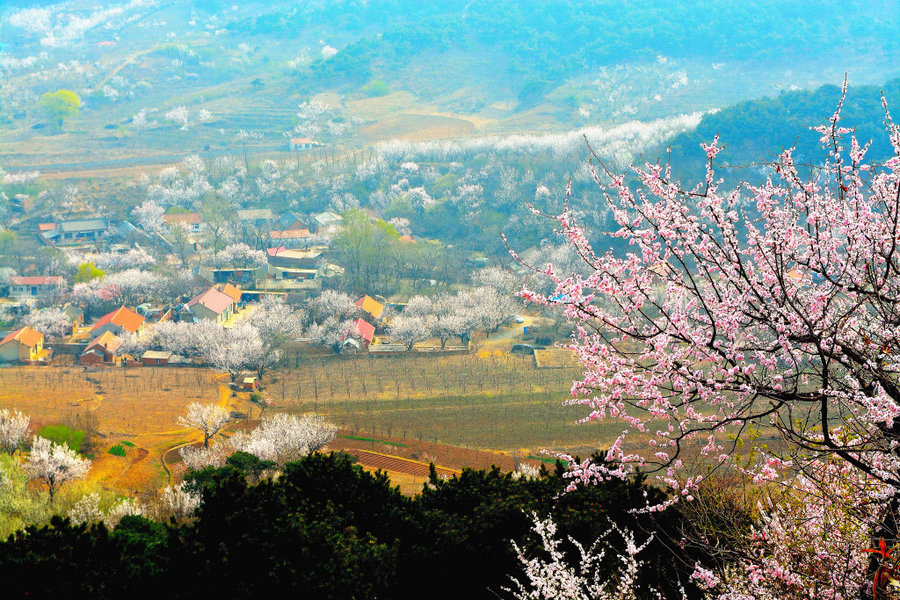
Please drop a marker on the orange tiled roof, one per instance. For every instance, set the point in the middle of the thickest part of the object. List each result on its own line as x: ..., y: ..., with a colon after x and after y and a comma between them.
x: 108, y: 340
x: 371, y: 306
x: 124, y: 317
x: 27, y: 336
x: 232, y: 291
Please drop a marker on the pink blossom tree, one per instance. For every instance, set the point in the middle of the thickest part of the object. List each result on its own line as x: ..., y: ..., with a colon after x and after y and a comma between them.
x: 770, y: 308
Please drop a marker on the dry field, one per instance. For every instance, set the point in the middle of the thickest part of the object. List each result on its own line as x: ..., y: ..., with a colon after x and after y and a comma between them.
x: 490, y: 401
x: 466, y: 410
x: 140, y: 406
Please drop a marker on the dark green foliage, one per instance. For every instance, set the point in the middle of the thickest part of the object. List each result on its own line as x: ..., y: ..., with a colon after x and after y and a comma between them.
x: 327, y: 529
x: 117, y: 450
x: 758, y: 130
x: 127, y: 443
x: 365, y: 439
x: 62, y: 434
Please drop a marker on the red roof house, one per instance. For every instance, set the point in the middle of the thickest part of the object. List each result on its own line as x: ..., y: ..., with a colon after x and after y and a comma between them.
x: 101, y: 350
x: 212, y: 304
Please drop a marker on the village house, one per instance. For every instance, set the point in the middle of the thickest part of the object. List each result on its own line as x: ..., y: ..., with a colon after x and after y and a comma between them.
x: 23, y: 345
x: 371, y: 306
x: 326, y: 222
x: 76, y: 231
x: 34, y: 287
x: 121, y: 321
x: 288, y: 258
x: 289, y: 221
x: 245, y: 276
x: 304, y: 143
x: 212, y: 304
x: 156, y: 358
x: 191, y: 221
x: 358, y: 337
x: 233, y: 292
x: 103, y: 349
x: 290, y: 238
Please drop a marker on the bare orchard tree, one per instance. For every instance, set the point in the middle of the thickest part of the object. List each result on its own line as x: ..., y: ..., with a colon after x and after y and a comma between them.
x: 13, y: 430
x: 208, y: 418
x: 54, y: 464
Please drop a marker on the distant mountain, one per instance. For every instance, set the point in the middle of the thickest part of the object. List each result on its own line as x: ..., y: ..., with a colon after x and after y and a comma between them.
x: 539, y: 45
x: 758, y: 130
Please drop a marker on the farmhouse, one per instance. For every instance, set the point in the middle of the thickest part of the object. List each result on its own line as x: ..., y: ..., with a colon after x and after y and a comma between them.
x: 23, y: 345
x: 326, y: 222
x: 290, y: 220
x: 155, y: 358
x: 122, y: 320
x: 243, y: 275
x: 191, y: 221
x: 291, y: 238
x: 73, y: 232
x: 304, y: 143
x: 360, y: 335
x: 34, y: 287
x: 371, y: 306
x: 212, y: 304
x: 103, y: 349
x: 233, y: 292
x: 288, y: 258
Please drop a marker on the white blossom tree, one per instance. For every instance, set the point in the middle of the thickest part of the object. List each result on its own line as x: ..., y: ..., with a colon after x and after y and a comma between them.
x: 239, y: 349
x: 550, y: 575
x: 240, y: 256
x: 13, y: 429
x: 208, y: 418
x: 178, y: 501
x: 282, y: 438
x: 52, y: 322
x: 195, y: 458
x: 180, y: 116
x: 410, y: 330
x: 149, y: 216
x: 54, y: 464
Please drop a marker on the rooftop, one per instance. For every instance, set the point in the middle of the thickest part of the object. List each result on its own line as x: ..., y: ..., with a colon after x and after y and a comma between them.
x: 26, y: 335
x: 124, y: 317
x: 212, y: 299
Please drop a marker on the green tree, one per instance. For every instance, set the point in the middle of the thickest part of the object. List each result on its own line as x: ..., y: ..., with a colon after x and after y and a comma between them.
x: 59, y: 106
x: 363, y: 248
x: 88, y: 271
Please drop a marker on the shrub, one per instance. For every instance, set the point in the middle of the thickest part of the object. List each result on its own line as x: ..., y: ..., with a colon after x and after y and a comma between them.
x: 376, y: 88
x: 62, y: 434
x: 117, y: 450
